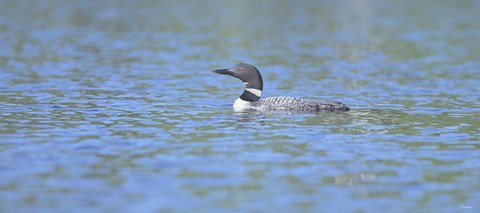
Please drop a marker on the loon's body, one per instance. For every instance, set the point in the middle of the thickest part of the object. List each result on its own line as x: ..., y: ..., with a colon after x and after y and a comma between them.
x: 250, y: 98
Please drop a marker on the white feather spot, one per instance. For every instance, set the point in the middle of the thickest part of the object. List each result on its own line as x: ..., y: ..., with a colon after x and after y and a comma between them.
x: 256, y: 92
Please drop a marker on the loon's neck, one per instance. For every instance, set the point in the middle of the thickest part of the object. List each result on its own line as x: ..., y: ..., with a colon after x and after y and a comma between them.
x: 244, y: 102
x: 251, y: 94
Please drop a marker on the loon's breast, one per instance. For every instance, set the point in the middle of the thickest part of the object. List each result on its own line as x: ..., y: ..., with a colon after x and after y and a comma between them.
x: 288, y: 104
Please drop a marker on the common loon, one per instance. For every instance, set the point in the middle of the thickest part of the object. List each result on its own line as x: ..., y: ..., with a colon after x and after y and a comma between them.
x: 250, y: 98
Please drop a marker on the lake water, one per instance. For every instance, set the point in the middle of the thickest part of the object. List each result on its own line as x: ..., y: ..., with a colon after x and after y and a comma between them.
x: 112, y: 106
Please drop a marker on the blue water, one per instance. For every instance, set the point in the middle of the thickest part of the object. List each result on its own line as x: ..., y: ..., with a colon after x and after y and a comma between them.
x: 112, y: 106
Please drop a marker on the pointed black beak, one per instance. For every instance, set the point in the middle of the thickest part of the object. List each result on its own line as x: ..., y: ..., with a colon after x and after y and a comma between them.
x: 224, y: 72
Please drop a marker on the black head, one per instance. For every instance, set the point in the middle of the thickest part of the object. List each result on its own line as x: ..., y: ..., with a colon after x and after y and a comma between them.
x: 245, y: 72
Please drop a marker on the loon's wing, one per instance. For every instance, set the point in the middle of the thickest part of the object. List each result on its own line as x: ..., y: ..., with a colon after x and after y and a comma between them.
x: 298, y: 104
x: 332, y: 106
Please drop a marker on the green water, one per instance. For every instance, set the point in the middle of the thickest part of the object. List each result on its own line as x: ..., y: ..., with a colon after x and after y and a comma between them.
x: 111, y: 106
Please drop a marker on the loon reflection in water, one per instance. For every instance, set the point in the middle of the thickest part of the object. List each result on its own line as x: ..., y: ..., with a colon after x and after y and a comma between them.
x: 250, y: 98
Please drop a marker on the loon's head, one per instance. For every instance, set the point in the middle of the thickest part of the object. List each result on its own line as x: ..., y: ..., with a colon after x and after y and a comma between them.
x: 247, y: 73
x: 251, y: 78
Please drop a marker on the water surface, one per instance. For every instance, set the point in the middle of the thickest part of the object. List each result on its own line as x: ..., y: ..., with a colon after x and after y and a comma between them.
x: 111, y: 106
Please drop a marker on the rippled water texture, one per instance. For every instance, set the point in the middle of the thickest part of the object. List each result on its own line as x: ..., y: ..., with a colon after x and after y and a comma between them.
x: 111, y: 106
